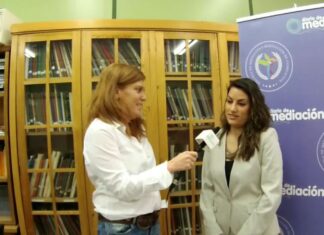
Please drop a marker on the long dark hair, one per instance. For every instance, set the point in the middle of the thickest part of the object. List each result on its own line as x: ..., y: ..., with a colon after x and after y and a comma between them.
x: 258, y: 121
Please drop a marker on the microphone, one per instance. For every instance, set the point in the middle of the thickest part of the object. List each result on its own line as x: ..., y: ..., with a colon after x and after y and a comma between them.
x: 178, y: 177
x: 206, y: 137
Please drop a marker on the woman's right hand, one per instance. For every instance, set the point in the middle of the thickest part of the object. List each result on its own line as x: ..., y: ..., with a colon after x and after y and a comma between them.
x: 183, y: 161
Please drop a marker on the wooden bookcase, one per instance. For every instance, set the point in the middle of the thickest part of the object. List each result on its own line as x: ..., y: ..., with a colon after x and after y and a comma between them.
x: 49, y: 131
x: 101, y: 49
x: 229, y: 59
x: 7, y: 203
x: 184, y: 87
x: 189, y: 95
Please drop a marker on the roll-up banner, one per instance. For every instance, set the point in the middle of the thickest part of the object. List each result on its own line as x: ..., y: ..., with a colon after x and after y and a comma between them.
x: 283, y: 52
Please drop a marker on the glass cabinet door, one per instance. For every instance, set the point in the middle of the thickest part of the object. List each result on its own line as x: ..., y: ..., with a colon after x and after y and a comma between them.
x: 191, y: 101
x: 229, y: 59
x: 35, y: 60
x: 233, y: 58
x: 102, y: 54
x: 7, y: 201
x: 50, y: 152
x: 105, y: 48
x: 60, y: 59
x: 106, y: 51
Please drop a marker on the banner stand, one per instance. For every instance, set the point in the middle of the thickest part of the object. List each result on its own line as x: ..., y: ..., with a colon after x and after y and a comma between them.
x: 283, y: 51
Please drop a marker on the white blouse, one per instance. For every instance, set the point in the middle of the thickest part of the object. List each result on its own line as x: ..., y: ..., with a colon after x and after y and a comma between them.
x: 123, y: 171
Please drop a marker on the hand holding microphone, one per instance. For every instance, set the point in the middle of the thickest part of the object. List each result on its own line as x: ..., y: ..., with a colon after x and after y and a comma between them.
x: 183, y: 161
x: 187, y: 159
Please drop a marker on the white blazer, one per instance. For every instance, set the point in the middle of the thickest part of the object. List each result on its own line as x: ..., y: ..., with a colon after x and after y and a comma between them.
x: 248, y: 206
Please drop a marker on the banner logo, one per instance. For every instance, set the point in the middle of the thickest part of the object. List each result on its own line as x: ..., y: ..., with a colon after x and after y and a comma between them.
x: 285, y: 226
x: 270, y: 64
x: 320, y: 151
x: 305, y: 24
x: 294, y: 26
x: 310, y: 191
x: 288, y: 115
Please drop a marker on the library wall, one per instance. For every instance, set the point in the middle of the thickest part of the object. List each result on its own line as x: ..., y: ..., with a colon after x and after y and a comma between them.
x: 216, y: 11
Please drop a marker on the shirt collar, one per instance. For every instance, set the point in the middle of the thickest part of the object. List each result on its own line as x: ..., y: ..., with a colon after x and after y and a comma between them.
x: 120, y: 126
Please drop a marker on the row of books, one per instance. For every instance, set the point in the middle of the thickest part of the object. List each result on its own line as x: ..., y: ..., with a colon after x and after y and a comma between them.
x: 2, y: 63
x: 181, y: 222
x: 35, y: 57
x: 233, y: 57
x: 67, y: 224
x: 35, y: 107
x: 199, y: 57
x: 177, y: 102
x: 64, y: 182
x: 176, y: 60
x: 202, y: 103
x: 129, y: 53
x: 61, y: 106
x: 60, y: 59
x: 60, y: 102
x: 64, y: 185
x: 103, y: 53
x: 1, y: 81
x: 181, y: 219
x: 58, y: 158
x: 185, y: 181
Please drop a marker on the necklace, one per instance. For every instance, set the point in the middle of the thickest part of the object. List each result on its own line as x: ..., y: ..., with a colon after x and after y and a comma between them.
x: 230, y: 156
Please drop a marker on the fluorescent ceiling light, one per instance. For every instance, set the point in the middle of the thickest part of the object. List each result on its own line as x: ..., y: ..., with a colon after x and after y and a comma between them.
x: 181, y: 48
x: 29, y: 53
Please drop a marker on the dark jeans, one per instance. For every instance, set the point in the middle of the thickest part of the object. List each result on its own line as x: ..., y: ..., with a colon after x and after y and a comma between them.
x: 108, y: 228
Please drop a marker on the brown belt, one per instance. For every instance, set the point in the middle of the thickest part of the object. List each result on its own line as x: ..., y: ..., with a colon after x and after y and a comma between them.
x: 142, y: 221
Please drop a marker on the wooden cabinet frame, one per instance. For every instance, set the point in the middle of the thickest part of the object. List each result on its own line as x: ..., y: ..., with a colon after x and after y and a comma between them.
x: 151, y: 35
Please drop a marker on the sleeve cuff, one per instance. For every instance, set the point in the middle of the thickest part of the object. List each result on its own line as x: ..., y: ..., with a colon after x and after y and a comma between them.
x: 166, y: 175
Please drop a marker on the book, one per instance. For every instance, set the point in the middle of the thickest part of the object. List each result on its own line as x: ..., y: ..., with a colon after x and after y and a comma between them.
x: 135, y: 53
x: 73, y: 187
x: 3, y: 167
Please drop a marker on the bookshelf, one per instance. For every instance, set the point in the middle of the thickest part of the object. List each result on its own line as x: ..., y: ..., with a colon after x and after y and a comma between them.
x: 7, y: 204
x: 103, y: 48
x: 184, y: 86
x: 190, y: 94
x: 229, y: 59
x: 48, y: 128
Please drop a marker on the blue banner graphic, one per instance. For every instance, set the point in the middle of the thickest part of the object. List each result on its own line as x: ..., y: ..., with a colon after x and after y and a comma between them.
x: 284, y: 53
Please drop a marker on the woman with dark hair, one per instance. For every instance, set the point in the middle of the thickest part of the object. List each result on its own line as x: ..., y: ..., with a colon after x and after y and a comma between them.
x: 119, y: 159
x: 242, y: 175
